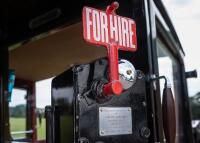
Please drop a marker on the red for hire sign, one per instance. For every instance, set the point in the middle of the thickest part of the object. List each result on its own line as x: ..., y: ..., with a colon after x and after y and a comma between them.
x: 100, y: 28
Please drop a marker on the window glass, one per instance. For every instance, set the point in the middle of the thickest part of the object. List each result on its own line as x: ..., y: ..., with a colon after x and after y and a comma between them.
x: 17, y: 111
x: 194, y: 96
x: 169, y: 67
x: 43, y: 98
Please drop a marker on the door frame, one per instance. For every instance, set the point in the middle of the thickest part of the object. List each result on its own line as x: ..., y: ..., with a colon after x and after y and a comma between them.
x: 160, y: 25
x: 4, y: 120
x: 31, y: 117
x: 4, y: 105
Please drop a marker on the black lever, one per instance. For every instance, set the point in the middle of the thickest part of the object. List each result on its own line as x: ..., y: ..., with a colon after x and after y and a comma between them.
x: 191, y: 74
x: 168, y: 111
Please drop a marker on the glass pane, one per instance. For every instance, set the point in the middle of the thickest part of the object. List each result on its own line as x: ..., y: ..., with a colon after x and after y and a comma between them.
x: 43, y: 98
x: 169, y: 67
x: 17, y: 111
x: 194, y: 93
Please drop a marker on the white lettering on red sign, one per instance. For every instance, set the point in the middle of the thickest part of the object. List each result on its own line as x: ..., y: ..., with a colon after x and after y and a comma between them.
x: 102, y: 29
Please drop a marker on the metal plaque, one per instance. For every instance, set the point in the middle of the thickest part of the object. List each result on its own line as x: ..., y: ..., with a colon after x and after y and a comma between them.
x: 115, y: 121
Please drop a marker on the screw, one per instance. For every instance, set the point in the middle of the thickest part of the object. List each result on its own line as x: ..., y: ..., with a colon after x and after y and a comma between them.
x: 129, y: 72
x: 79, y: 97
x: 76, y: 128
x: 83, y: 140
x: 78, y: 69
x: 145, y: 132
x: 139, y: 75
x: 144, y: 104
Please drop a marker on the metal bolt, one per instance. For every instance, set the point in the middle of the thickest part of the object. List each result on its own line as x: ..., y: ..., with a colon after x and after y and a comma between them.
x: 83, y: 140
x: 144, y: 104
x: 79, y: 69
x: 139, y: 75
x: 145, y: 132
x: 129, y: 72
x: 79, y: 97
x: 76, y: 128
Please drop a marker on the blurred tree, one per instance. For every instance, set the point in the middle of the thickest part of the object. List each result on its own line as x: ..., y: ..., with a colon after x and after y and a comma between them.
x: 18, y: 111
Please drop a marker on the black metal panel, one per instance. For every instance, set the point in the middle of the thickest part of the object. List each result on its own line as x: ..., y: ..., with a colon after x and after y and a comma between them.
x: 88, y: 105
x: 63, y: 125
x: 63, y: 89
x: 73, y: 88
x: 62, y: 110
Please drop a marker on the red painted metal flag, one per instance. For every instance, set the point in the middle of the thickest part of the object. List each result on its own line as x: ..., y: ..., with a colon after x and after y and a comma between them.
x: 101, y: 28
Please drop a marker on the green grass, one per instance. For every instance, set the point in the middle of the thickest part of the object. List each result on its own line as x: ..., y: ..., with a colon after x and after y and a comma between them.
x: 18, y: 124
x: 41, y: 130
